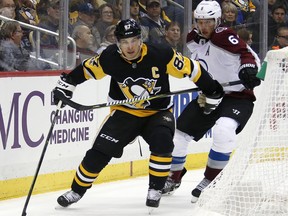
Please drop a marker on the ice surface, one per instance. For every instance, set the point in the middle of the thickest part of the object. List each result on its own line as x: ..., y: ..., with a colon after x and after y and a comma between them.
x: 118, y: 198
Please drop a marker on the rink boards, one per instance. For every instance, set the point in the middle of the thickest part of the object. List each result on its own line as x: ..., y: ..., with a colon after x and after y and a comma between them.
x: 26, y: 112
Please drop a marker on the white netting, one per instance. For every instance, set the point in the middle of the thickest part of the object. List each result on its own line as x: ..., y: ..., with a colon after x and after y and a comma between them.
x: 255, y: 181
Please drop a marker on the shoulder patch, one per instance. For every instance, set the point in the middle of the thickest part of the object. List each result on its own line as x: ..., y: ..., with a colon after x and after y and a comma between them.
x: 220, y: 29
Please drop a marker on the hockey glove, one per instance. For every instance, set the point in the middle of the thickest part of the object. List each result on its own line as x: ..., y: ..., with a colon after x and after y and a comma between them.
x: 201, y: 100
x: 211, y: 101
x: 248, y: 75
x: 65, y: 87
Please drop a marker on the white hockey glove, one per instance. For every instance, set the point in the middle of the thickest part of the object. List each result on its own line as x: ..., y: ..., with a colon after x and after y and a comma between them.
x: 209, y: 102
x: 212, y: 102
x: 65, y: 87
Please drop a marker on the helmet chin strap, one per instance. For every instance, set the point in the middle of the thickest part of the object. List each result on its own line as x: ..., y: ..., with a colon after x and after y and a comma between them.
x: 128, y: 59
x: 199, y: 32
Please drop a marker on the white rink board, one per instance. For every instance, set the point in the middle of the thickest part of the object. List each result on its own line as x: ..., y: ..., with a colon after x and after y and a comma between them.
x: 25, y: 119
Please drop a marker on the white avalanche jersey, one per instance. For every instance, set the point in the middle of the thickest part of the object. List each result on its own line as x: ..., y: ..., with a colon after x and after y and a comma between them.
x: 222, y: 56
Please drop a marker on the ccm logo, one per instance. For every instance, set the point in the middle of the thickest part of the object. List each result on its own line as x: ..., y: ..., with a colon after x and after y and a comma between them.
x: 60, y: 83
x: 109, y: 138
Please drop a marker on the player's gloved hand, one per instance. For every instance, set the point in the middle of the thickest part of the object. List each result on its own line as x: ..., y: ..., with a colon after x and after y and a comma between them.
x: 247, y: 74
x: 210, y: 102
x: 201, y: 100
x: 65, y: 87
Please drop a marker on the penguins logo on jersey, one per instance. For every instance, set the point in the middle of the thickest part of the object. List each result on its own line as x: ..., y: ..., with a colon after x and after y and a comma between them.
x: 139, y: 88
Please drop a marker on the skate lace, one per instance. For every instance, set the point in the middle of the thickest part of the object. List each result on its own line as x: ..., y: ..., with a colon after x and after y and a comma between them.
x: 154, y: 194
x: 72, y: 196
x: 203, y: 184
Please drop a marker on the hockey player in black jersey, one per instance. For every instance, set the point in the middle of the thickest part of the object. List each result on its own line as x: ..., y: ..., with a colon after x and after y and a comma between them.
x: 220, y: 49
x: 136, y: 69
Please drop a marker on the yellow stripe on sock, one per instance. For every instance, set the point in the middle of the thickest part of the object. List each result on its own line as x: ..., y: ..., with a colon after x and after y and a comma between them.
x: 158, y: 174
x: 81, y: 183
x: 161, y: 159
x: 89, y: 174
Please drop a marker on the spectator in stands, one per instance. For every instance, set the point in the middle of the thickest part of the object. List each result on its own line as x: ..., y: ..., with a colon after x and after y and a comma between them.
x: 118, y: 9
x: 143, y: 11
x: 245, y: 8
x: 281, y: 39
x: 87, y: 16
x: 173, y: 36
x: 285, y: 3
x: 84, y: 41
x: 142, y: 7
x: 270, y: 6
x: 50, y: 22
x: 42, y: 9
x: 229, y: 15
x: 26, y: 12
x: 135, y: 14
x: 73, y: 10
x: 135, y: 10
x: 175, y: 11
x: 106, y: 12
x: 50, y: 43
x: 7, y: 9
x: 97, y: 3
x: 276, y: 20
x: 245, y: 35
x: 153, y: 22
x: 13, y: 57
x: 108, y: 39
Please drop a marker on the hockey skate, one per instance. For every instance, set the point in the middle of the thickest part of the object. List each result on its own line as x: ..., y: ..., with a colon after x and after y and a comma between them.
x: 197, y: 191
x: 68, y: 198
x: 170, y: 186
x: 153, y: 199
x: 173, y: 182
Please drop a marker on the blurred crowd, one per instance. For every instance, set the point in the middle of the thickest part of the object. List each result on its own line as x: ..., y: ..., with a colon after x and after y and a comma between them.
x: 92, y: 26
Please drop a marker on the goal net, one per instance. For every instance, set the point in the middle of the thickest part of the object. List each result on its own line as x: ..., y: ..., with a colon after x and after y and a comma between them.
x: 255, y: 181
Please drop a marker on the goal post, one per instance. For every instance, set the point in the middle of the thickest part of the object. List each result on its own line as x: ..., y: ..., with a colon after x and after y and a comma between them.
x: 255, y: 181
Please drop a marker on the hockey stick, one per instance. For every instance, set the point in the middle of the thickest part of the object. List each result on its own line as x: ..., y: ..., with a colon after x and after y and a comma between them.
x: 41, y: 159
x: 133, y: 100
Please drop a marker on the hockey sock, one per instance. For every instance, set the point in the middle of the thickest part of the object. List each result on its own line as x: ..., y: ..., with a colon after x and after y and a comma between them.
x: 216, y: 163
x: 92, y: 164
x: 159, y: 167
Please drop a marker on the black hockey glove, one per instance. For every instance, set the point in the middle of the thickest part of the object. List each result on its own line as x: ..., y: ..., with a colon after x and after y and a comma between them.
x: 210, y: 102
x: 65, y: 87
x: 248, y: 75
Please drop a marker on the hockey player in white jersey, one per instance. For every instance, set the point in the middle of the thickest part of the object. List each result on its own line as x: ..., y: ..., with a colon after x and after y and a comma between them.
x: 221, y: 52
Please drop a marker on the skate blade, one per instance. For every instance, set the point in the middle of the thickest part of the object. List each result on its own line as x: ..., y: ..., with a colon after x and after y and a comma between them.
x: 59, y: 207
x: 194, y: 199
x: 151, y: 210
x: 168, y: 193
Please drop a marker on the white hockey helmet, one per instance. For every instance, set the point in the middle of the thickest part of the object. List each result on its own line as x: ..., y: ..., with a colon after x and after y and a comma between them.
x: 208, y: 10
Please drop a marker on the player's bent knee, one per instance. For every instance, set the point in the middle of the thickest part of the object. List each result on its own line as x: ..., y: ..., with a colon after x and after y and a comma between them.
x: 95, y: 161
x: 181, y: 142
x: 161, y: 142
x: 224, y: 135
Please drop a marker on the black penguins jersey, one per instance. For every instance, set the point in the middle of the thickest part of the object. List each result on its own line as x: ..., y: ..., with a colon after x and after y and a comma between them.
x: 146, y: 76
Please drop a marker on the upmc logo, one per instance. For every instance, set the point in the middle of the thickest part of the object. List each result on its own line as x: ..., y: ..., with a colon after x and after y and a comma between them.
x: 17, y: 119
x: 181, y: 101
x: 26, y: 120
